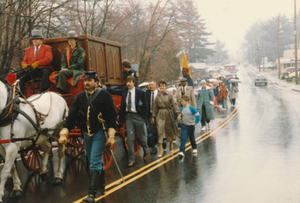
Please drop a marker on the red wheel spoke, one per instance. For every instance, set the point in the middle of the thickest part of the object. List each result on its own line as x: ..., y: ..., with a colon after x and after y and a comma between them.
x: 30, y: 161
x: 30, y: 152
x: 38, y: 160
x: 76, y: 151
x: 33, y: 161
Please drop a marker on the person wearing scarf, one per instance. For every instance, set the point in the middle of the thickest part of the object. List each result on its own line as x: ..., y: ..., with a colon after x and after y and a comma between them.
x: 72, y: 64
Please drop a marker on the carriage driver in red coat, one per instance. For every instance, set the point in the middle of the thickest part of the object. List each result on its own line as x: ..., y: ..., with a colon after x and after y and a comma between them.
x: 38, y: 60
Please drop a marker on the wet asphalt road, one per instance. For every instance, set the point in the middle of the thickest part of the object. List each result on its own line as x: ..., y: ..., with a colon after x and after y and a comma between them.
x: 251, y: 156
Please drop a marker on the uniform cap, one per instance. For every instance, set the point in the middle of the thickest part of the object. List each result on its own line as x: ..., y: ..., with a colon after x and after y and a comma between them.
x: 91, y: 74
x: 183, y: 80
x: 203, y: 81
x: 72, y: 35
x: 37, y: 34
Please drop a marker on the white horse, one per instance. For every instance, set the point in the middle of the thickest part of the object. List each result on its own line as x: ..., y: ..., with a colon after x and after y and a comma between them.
x: 50, y: 104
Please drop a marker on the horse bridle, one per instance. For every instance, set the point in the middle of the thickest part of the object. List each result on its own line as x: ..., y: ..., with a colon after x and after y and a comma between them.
x: 11, y: 111
x: 6, y: 114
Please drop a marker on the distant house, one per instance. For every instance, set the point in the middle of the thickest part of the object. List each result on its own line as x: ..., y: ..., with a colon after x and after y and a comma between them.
x: 197, y: 66
x: 288, y: 59
x: 197, y: 70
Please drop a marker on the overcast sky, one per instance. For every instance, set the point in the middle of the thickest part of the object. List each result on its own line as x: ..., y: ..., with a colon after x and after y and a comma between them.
x: 229, y: 19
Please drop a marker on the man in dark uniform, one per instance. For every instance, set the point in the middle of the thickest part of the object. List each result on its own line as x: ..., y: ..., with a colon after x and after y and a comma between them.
x: 90, y: 107
x: 128, y: 71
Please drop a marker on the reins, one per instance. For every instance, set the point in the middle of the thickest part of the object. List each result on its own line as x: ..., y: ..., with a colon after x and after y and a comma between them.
x: 16, y: 71
x: 9, y: 102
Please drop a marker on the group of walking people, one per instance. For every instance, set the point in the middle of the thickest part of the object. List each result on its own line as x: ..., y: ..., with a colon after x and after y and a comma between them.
x: 176, y: 113
x: 183, y: 109
x: 224, y: 93
x: 158, y: 112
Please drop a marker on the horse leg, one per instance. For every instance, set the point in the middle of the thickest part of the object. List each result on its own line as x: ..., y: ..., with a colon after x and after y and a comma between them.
x: 45, y: 147
x: 9, y: 185
x: 17, y: 191
x: 59, y: 173
x: 11, y: 153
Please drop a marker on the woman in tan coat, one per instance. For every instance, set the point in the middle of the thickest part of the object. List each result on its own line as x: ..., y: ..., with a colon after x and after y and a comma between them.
x: 163, y: 116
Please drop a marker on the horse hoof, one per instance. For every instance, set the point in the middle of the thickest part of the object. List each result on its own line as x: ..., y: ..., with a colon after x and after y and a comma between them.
x: 44, y: 176
x: 9, y: 184
x: 16, y: 194
x: 57, y: 181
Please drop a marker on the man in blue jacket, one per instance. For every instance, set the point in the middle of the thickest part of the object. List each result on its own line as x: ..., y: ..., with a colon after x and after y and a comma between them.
x: 90, y: 108
x: 133, y: 112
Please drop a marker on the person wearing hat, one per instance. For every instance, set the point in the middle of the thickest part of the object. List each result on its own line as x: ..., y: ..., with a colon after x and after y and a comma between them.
x: 90, y: 109
x: 72, y: 63
x: 205, y: 102
x: 37, y: 60
x: 184, y: 89
x: 196, y: 87
x: 127, y: 71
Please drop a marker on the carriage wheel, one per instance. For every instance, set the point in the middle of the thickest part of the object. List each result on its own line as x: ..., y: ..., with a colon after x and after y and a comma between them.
x: 137, y: 145
x: 108, y: 157
x: 74, y: 152
x: 32, y: 159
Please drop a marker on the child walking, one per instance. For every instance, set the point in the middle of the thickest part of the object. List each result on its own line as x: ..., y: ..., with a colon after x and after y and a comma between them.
x: 189, y: 118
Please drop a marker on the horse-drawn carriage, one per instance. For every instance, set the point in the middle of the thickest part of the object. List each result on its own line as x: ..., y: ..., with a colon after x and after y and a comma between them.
x: 25, y: 129
x: 102, y: 56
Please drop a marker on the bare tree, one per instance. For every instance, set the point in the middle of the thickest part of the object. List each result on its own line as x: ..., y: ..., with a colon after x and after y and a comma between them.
x: 17, y: 19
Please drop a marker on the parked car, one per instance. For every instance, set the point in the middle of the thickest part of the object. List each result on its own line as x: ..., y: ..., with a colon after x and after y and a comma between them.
x: 261, y: 80
x: 285, y: 75
x: 293, y: 75
x: 290, y: 69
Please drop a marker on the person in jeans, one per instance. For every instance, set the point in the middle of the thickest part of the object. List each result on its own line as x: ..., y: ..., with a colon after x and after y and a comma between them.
x: 189, y: 118
x: 90, y: 105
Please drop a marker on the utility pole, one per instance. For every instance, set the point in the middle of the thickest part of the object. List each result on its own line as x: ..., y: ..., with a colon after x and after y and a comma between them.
x: 278, y: 41
x: 258, y: 57
x: 296, y: 49
x: 263, y: 51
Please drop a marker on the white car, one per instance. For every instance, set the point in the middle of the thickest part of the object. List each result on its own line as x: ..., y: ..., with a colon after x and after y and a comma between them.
x: 261, y: 80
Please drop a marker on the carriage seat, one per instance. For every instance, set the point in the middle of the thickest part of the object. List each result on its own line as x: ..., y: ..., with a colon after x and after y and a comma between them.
x: 33, y: 86
x: 79, y: 87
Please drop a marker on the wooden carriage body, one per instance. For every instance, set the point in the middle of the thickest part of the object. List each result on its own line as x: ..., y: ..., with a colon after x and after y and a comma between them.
x: 102, y: 56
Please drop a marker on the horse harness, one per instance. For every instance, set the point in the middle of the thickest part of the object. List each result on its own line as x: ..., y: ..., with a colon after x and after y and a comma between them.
x: 11, y: 111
